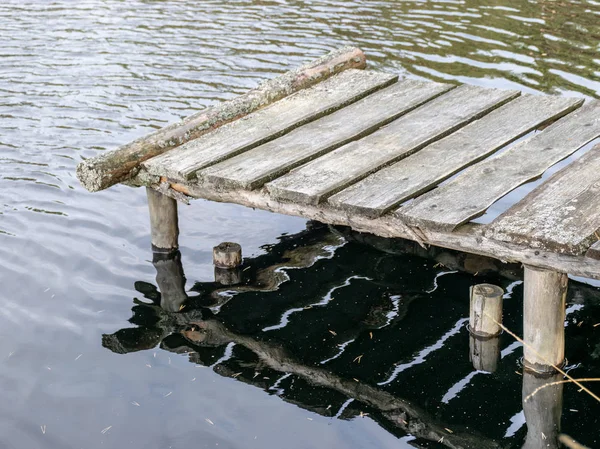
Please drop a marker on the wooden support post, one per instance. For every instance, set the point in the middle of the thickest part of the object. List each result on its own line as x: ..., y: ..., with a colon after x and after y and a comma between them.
x: 486, y: 310
x: 544, y: 319
x: 543, y: 410
x: 227, y: 258
x: 171, y: 280
x: 484, y: 326
x: 163, y: 221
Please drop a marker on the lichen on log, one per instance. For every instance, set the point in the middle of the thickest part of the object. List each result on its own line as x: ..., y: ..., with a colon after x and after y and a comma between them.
x: 107, y: 169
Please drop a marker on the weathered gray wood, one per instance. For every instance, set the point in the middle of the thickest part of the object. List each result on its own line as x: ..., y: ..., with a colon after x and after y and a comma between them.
x: 486, y: 310
x: 408, y: 178
x: 164, y: 224
x: 227, y: 255
x: 562, y: 214
x: 476, y: 188
x: 268, y: 123
x: 253, y: 168
x: 119, y: 165
x: 467, y: 238
x: 544, y: 302
x: 594, y: 251
x: 333, y: 172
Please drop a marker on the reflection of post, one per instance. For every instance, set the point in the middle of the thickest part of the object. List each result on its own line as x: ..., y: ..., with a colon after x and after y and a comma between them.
x: 543, y: 410
x: 544, y: 319
x: 163, y: 221
x: 484, y: 353
x: 170, y: 280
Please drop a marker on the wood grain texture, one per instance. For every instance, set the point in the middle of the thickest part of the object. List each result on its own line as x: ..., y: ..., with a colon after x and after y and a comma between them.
x: 119, y: 165
x: 476, y: 188
x: 562, y: 214
x: 268, y: 123
x: 408, y: 178
x: 594, y: 251
x: 253, y: 168
x: 467, y: 238
x: 335, y: 171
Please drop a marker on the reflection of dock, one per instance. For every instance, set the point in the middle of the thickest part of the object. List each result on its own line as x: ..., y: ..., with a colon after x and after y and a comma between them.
x: 271, y: 359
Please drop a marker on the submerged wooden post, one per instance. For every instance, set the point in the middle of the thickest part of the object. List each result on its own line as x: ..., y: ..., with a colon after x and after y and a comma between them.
x: 542, y: 405
x: 486, y: 310
x: 164, y: 225
x: 484, y: 326
x: 544, y: 319
x: 227, y: 258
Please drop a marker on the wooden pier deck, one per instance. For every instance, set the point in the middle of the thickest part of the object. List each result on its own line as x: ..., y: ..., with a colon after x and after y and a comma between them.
x: 397, y: 158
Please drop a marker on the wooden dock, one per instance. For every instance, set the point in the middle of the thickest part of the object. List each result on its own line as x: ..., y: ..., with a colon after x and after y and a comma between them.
x: 339, y: 144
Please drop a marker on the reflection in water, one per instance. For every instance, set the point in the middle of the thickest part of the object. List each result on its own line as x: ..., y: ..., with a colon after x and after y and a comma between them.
x: 266, y: 359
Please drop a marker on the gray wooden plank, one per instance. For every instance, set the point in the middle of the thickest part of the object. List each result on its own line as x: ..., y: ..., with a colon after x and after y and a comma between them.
x: 479, y: 186
x: 268, y: 123
x: 253, y: 168
x: 334, y: 171
x: 561, y: 215
x: 408, y: 178
x: 594, y: 251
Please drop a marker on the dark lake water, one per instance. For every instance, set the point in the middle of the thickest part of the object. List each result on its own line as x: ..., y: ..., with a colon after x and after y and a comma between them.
x: 330, y: 343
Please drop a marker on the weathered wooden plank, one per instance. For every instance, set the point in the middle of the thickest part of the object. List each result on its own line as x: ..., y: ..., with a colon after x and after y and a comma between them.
x: 116, y: 166
x: 408, y: 178
x: 560, y: 215
x: 474, y: 190
x: 253, y: 168
x: 333, y: 172
x: 268, y: 123
x: 594, y: 251
x: 467, y: 238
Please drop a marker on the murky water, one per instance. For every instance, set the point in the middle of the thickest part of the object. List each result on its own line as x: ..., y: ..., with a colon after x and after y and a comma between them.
x: 327, y: 333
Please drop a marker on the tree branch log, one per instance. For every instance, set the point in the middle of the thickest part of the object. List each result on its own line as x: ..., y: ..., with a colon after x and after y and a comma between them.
x: 105, y: 170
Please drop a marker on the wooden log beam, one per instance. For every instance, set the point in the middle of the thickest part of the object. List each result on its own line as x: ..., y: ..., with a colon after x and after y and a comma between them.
x: 469, y: 238
x: 107, y: 169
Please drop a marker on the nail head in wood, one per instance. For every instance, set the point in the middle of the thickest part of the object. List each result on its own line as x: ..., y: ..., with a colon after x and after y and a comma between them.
x: 227, y: 255
x: 486, y: 310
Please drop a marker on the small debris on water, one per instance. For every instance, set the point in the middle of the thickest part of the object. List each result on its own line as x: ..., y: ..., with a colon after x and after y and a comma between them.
x: 518, y: 373
x: 597, y: 324
x: 106, y: 429
x: 194, y: 379
x: 332, y: 332
x: 135, y: 403
x: 210, y: 422
x: 371, y: 335
x: 148, y: 365
x: 358, y: 358
x: 43, y: 429
x: 362, y: 414
x: 355, y: 379
x: 235, y: 375
x: 573, y: 410
x: 448, y: 430
x: 168, y: 394
x: 78, y: 357
x: 310, y: 419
